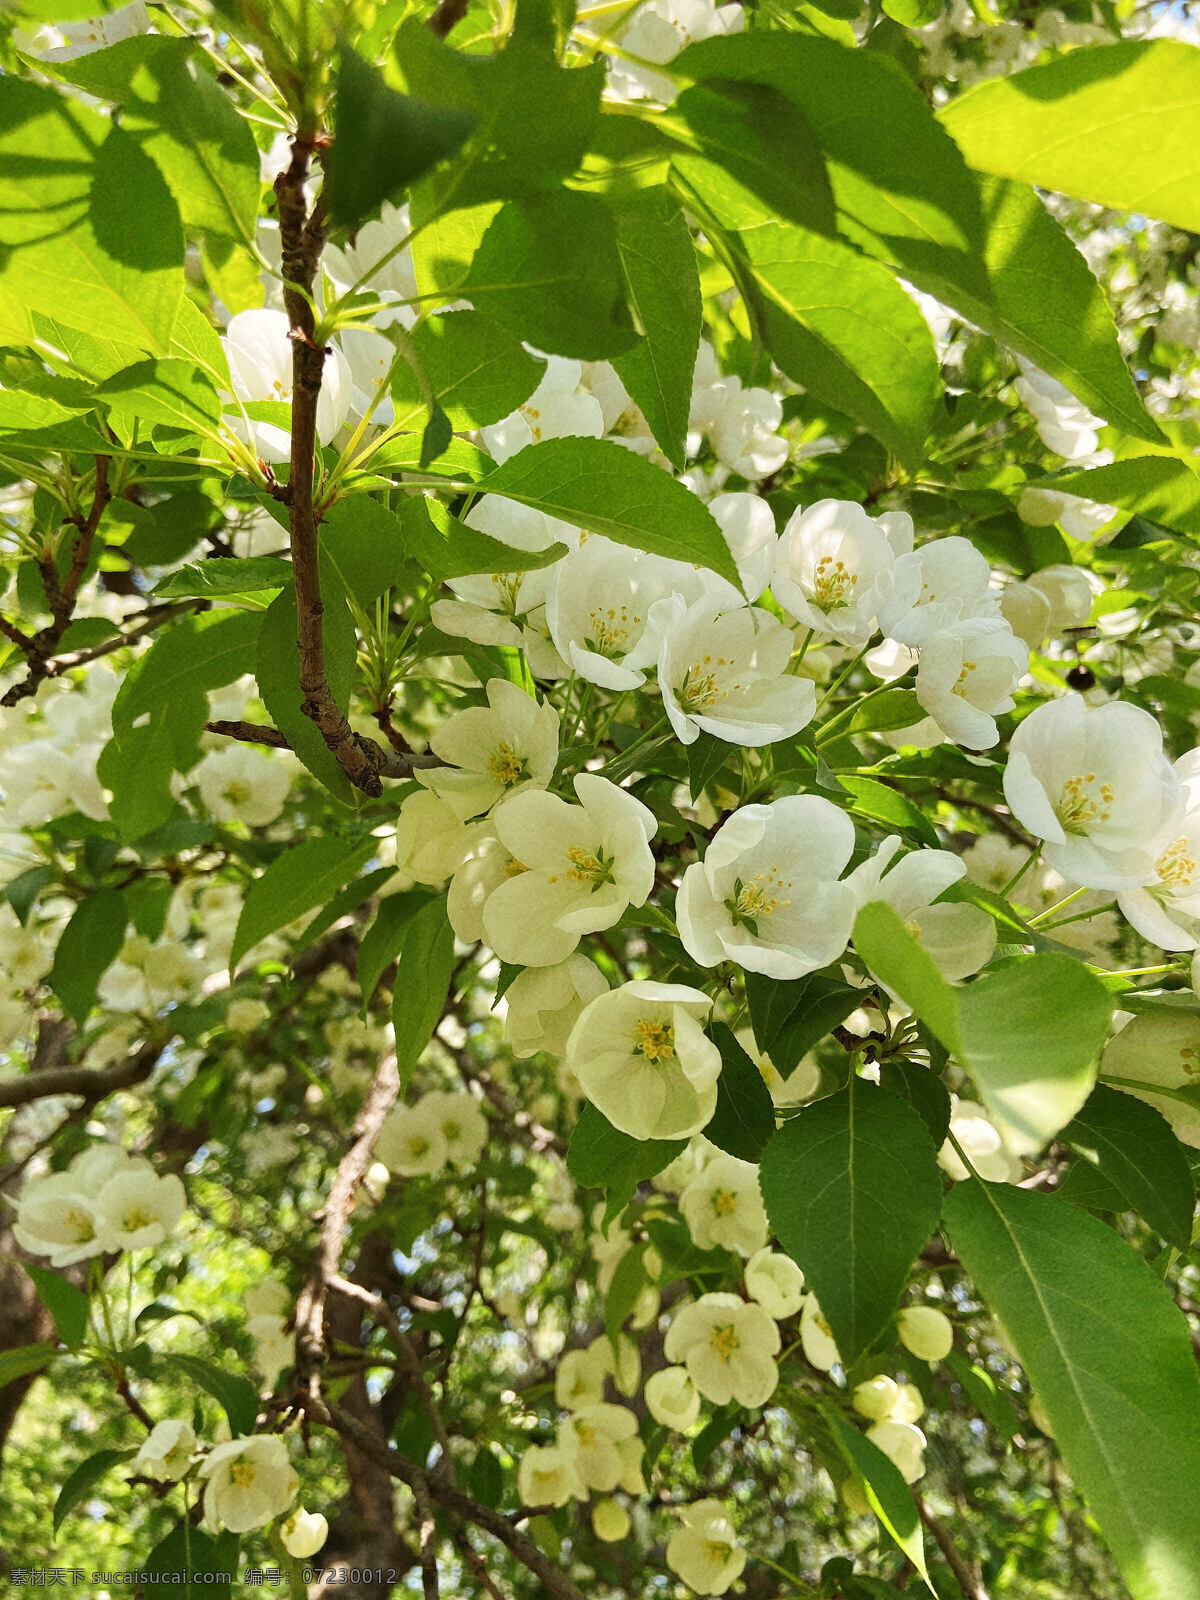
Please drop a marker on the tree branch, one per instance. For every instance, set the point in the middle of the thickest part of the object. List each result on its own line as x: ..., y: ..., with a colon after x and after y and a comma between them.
x: 969, y: 1582
x: 448, y: 14
x: 93, y: 1084
x: 388, y: 763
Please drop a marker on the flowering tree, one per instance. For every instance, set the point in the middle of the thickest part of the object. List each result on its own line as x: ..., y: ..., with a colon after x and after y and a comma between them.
x: 600, y: 820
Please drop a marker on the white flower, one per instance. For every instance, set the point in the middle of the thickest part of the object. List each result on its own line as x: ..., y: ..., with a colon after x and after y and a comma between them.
x: 829, y: 568
x: 599, y: 604
x: 582, y: 865
x: 728, y: 1346
x: 1066, y: 426
x: 724, y: 672
x: 268, y: 1299
x: 672, y: 1399
x: 1093, y: 783
x: 548, y: 1476
x: 1166, y: 910
x: 55, y: 1219
x: 166, y: 1451
x: 484, y: 866
x: 926, y: 1331
x: 245, y: 1015
x: 610, y: 1521
x: 816, y: 1337
x: 250, y: 1483
x: 495, y: 750
x: 579, y: 1377
x: 659, y: 31
x: 748, y: 524
x: 1027, y: 612
x: 69, y: 40
x: 136, y: 1209
x: 304, y: 1533
x: 959, y: 937
x: 411, y: 1141
x: 1067, y: 592
x: 242, y: 784
x: 799, y: 1085
x: 982, y: 1141
x: 26, y: 955
x: 593, y: 1437
x: 522, y: 527
x: 776, y: 1282
x: 966, y: 677
x: 370, y: 357
x: 1078, y: 518
x: 274, y: 1348
x: 766, y: 894
x: 642, y: 1058
x: 944, y: 582
x: 432, y: 841
x: 704, y: 1551
x: 544, y: 1004
x: 461, y: 1122
x: 876, y: 1398
x: 557, y: 409
x: 743, y: 431
x: 902, y: 1443
x: 373, y: 258
x: 41, y: 781
x: 724, y: 1208
x: 494, y: 607
x: 1160, y: 1049
x: 260, y: 367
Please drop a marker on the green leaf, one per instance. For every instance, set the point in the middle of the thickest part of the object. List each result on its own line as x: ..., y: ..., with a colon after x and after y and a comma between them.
x: 364, y: 543
x: 1110, y: 1358
x: 137, y: 765
x: 90, y: 943
x: 22, y: 891
x: 1116, y: 123
x: 445, y: 246
x: 185, y: 122
x: 706, y: 755
x: 745, y: 1116
x: 599, y: 1156
x: 833, y: 319
x: 1132, y: 1145
x: 422, y: 983
x: 628, y: 1281
x: 824, y: 1006
x: 908, y: 198
x: 448, y: 548
x: 90, y: 233
x: 882, y: 803
x: 277, y: 671
x: 598, y: 485
x: 1029, y: 1034
x: 662, y: 281
x: 894, y: 708
x: 924, y: 1091
x: 989, y: 1399
x: 887, y: 1493
x: 477, y: 370
x: 169, y: 392
x: 24, y: 1359
x: 548, y: 269
x: 1164, y: 489
x: 302, y: 877
x: 227, y: 575
x: 346, y: 900
x: 79, y: 1484
x: 65, y: 1303
x: 194, y: 655
x: 853, y: 1190
x: 237, y: 1396
x: 200, y: 1557
x: 382, y: 141
x: 384, y: 939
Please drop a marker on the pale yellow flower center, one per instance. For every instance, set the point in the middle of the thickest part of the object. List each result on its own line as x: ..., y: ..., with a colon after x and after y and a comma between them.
x: 242, y: 1474
x: 417, y: 1145
x: 237, y: 791
x: 833, y: 584
x: 508, y: 587
x: 585, y: 1433
x: 716, y: 1551
x: 588, y: 866
x: 515, y: 868
x: 1175, y: 867
x: 1189, y: 1059
x: 79, y: 1222
x: 655, y: 1040
x: 963, y: 681
x: 724, y: 1202
x: 137, y: 1217
x: 506, y: 766
x: 758, y: 897
x: 725, y: 1341
x: 611, y: 627
x: 1083, y: 802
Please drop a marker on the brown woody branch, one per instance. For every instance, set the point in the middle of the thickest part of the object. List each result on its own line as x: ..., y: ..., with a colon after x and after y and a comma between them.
x: 39, y: 650
x: 388, y: 763
x: 302, y: 236
x: 555, y: 1582
x: 971, y: 1583
x: 92, y: 1083
x: 449, y: 14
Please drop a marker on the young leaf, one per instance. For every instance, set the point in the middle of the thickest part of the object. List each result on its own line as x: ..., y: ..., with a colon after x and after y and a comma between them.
x: 295, y: 882
x: 598, y: 485
x: 196, y: 654
x: 599, y: 1156
x: 1110, y: 1359
x: 90, y: 942
x: 78, y: 1485
x: 1132, y: 1145
x: 924, y: 1091
x: 346, y: 900
x: 227, y: 575
x: 384, y: 939
x: 853, y: 1190
x: 824, y: 1006
x: 277, y: 670
x: 477, y: 370
x: 65, y: 1303
x: 422, y: 983
x: 887, y: 1493
x: 745, y: 1116
x: 706, y: 756
x: 236, y: 1395
x: 24, y: 1359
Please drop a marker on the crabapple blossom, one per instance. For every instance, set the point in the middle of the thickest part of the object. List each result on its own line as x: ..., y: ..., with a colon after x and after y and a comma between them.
x: 484, y: 866
x: 766, y: 894
x: 926, y: 1331
x: 602, y: 1441
x: 966, y: 677
x: 259, y: 352
x: 166, y: 1452
x: 411, y: 1141
x: 1159, y: 1050
x: 729, y: 1347
x: 946, y: 581
x: 461, y: 1122
x: 959, y: 937
x: 1068, y: 593
x: 748, y: 524
x: 1065, y: 425
x: 1027, y: 612
x: 776, y: 1282
x: 658, y: 31
x: 903, y: 1444
x: 497, y: 608
x: 1166, y: 910
x: 724, y: 672
x: 55, y: 1219
x: 610, y: 1521
x: 558, y: 408
x: 248, y: 1483
x: 136, y: 1209
x: 523, y: 527
x: 642, y: 1058
x: 375, y: 259
x: 432, y: 841
x: 549, y: 1475
x: 492, y: 751
x: 816, y: 1337
x: 704, y: 1551
x: 982, y: 1142
x: 672, y: 1398
x: 579, y: 867
x: 544, y: 1004
x: 829, y: 570
x: 304, y: 1533
x: 799, y: 1085
x: 69, y: 40
x: 579, y: 1378
x: 876, y: 1398
x: 1093, y: 783
x: 723, y: 1206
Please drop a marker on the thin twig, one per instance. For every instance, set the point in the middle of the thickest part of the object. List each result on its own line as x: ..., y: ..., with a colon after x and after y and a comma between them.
x: 448, y: 14
x: 389, y: 763
x: 969, y: 1582
x: 92, y: 1083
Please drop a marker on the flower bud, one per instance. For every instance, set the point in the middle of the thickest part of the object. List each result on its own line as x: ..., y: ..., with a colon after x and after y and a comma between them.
x: 610, y: 1521
x: 928, y: 1333
x: 304, y: 1533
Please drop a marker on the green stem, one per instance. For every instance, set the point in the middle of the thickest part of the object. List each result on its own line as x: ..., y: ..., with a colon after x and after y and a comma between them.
x: 840, y: 679
x: 1021, y: 871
